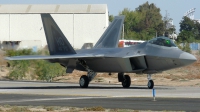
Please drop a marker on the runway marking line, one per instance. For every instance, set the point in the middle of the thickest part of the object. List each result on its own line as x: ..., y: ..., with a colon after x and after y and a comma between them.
x: 48, y: 99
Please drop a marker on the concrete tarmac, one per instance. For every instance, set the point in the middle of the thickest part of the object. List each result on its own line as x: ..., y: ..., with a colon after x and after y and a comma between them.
x: 108, y: 96
x: 135, y: 103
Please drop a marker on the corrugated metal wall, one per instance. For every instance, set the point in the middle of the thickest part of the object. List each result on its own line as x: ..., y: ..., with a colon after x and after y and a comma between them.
x: 194, y: 46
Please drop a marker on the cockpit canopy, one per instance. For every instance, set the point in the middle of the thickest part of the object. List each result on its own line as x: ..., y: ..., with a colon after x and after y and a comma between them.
x: 163, y: 41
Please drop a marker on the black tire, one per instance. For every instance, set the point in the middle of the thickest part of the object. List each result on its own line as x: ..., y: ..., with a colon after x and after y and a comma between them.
x: 126, y: 82
x: 84, y: 81
x: 150, y: 84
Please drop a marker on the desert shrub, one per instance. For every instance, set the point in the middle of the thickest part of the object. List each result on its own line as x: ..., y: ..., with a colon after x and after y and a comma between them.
x: 19, y: 52
x: 41, y: 68
x: 47, y: 71
x: 18, y: 68
x: 186, y: 47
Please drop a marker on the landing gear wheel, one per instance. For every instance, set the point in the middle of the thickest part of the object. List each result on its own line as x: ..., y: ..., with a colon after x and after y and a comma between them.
x: 84, y: 81
x: 126, y: 82
x: 150, y: 84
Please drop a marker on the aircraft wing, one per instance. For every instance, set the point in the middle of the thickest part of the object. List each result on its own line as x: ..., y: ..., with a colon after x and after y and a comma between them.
x: 70, y: 56
x: 35, y: 57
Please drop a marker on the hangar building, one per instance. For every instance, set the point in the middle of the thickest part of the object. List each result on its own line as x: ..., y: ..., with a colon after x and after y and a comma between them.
x: 21, y: 25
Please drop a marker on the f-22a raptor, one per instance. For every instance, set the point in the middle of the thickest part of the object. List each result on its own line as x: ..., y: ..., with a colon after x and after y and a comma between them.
x: 150, y: 57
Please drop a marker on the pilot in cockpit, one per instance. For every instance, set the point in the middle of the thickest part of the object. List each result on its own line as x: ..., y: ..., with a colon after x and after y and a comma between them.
x: 163, y: 41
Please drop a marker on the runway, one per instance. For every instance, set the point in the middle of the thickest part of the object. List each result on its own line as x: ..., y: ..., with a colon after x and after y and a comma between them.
x: 107, y: 96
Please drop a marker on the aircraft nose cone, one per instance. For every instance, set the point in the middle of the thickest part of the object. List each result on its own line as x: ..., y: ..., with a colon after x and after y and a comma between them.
x: 187, y: 58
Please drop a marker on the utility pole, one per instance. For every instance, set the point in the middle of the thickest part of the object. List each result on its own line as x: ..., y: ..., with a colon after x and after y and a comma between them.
x: 123, y: 32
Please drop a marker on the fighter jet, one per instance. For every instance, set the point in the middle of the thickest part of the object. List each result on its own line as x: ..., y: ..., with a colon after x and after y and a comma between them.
x: 150, y: 57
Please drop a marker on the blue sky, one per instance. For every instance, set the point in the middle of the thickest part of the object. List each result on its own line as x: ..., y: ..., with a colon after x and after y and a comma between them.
x: 175, y: 8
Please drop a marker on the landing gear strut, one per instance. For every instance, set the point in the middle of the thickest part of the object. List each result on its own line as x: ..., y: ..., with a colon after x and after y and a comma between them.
x: 150, y: 83
x: 125, y: 79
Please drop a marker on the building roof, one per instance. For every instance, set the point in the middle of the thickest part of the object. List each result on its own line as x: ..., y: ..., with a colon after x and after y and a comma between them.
x: 52, y: 8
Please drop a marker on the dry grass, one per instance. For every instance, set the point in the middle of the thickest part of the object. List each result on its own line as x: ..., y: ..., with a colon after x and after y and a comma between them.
x: 8, y: 108
x: 99, y: 108
x: 15, y: 109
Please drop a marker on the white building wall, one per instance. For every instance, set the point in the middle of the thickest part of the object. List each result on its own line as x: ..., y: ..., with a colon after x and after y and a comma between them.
x: 26, y: 27
x: 65, y: 22
x: 88, y: 28
x: 4, y: 27
x: 30, y: 44
x: 78, y: 28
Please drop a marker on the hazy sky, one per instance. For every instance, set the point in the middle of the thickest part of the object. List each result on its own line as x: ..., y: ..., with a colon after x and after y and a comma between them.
x: 175, y: 8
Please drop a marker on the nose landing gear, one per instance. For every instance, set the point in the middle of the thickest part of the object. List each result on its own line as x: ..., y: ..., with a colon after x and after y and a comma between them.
x: 150, y: 83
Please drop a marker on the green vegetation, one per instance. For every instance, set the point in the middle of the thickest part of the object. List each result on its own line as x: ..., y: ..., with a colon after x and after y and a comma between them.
x: 186, y: 47
x: 47, y: 71
x: 146, y: 22
x: 19, y: 68
x: 39, y: 69
x: 189, y: 30
x: 111, y: 18
x: 143, y: 23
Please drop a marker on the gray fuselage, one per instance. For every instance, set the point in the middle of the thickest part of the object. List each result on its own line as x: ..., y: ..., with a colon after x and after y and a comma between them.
x: 142, y: 58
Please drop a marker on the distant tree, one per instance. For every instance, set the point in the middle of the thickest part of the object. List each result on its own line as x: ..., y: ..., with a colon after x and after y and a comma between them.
x: 152, y: 16
x: 143, y: 23
x: 131, y: 22
x: 160, y: 29
x: 146, y: 22
x: 168, y: 27
x: 189, y: 30
x: 186, y: 36
x: 197, y: 30
x: 111, y: 18
x: 186, y: 24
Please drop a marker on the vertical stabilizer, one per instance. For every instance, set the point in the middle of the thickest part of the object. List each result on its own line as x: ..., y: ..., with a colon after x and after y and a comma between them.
x: 111, y: 36
x: 57, y: 42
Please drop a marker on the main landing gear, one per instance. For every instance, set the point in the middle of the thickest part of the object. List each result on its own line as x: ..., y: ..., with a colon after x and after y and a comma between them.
x: 125, y: 79
x: 150, y: 83
x: 85, y: 80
